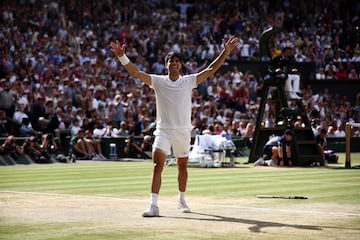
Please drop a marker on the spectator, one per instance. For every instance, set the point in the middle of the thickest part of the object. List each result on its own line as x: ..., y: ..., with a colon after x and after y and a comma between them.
x: 340, y: 131
x: 356, y: 57
x: 3, y: 129
x: 57, y: 123
x: 94, y: 146
x: 20, y: 114
x: 353, y: 74
x: 99, y: 130
x: 75, y: 127
x: 158, y: 66
x: 111, y: 113
x: 331, y: 131
x: 321, y: 74
x: 123, y: 131
x: 80, y: 146
x: 119, y: 109
x: 26, y: 130
x: 341, y: 73
x: 37, y: 111
x: 110, y: 130
x: 330, y: 70
x: 7, y: 98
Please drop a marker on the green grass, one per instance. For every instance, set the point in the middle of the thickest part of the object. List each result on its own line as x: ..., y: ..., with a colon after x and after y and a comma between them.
x: 322, y: 185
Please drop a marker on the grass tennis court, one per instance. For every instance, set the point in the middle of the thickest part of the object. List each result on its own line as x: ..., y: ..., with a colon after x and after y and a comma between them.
x: 104, y: 200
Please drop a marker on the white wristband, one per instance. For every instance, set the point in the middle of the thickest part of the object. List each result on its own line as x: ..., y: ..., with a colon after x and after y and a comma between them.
x: 124, y: 60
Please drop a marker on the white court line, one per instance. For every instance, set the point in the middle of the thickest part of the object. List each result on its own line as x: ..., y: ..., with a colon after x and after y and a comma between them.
x: 202, y: 204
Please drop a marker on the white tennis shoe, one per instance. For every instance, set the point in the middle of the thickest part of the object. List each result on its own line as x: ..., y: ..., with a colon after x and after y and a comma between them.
x: 183, y: 206
x: 152, y: 211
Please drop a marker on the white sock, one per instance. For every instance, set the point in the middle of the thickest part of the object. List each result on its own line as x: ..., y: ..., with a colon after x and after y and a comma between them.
x: 181, y: 195
x: 154, y: 199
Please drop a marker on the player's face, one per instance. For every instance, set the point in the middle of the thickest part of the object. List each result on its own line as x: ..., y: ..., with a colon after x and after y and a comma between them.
x: 174, y: 64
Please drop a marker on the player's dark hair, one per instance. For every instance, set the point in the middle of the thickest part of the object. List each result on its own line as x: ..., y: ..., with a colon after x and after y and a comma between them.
x: 171, y: 55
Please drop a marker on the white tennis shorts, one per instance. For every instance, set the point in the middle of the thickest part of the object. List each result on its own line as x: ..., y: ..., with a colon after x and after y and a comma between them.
x: 178, y: 139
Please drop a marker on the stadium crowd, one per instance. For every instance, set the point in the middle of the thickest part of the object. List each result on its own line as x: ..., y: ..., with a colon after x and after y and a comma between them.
x: 58, y: 74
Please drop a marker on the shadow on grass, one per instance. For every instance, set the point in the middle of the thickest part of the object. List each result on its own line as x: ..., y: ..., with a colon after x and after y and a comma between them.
x: 256, y: 226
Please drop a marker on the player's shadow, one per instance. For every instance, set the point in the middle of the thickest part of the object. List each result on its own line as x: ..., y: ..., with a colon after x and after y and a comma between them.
x: 256, y: 225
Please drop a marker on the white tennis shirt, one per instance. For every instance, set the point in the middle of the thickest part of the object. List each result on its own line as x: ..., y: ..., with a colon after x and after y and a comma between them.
x: 173, y: 101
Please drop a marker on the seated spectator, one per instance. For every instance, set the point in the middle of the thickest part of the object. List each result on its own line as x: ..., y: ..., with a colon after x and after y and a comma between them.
x: 330, y: 70
x: 10, y: 147
x: 341, y: 73
x: 99, y: 130
x: 123, y: 131
x: 340, y: 131
x: 7, y: 97
x: 3, y: 130
x: 321, y: 74
x: 93, y: 145
x: 75, y: 127
x: 353, y: 74
x: 110, y: 130
x: 356, y: 57
x: 331, y: 131
x: 87, y: 124
x: 58, y: 124
x: 80, y: 147
x: 20, y: 114
x: 37, y: 111
x: 26, y: 130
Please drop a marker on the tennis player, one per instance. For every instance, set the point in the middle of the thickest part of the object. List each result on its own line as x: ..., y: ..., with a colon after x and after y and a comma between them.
x: 173, y: 114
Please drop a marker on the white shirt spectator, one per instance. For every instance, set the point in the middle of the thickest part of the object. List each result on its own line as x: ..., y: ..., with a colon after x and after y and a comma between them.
x: 340, y: 132
x: 320, y: 75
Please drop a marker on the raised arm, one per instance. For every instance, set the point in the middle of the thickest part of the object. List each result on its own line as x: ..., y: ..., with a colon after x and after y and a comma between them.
x: 229, y: 45
x: 119, y: 52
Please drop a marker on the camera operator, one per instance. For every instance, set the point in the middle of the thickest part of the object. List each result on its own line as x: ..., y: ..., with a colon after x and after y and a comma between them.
x: 51, y: 147
x: 132, y: 148
x: 10, y: 147
x: 36, y: 151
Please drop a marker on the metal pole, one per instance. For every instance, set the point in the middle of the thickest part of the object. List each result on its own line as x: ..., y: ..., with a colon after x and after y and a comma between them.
x: 347, y: 145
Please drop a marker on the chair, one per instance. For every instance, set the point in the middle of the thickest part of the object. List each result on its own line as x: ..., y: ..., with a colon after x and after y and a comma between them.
x: 209, y: 151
